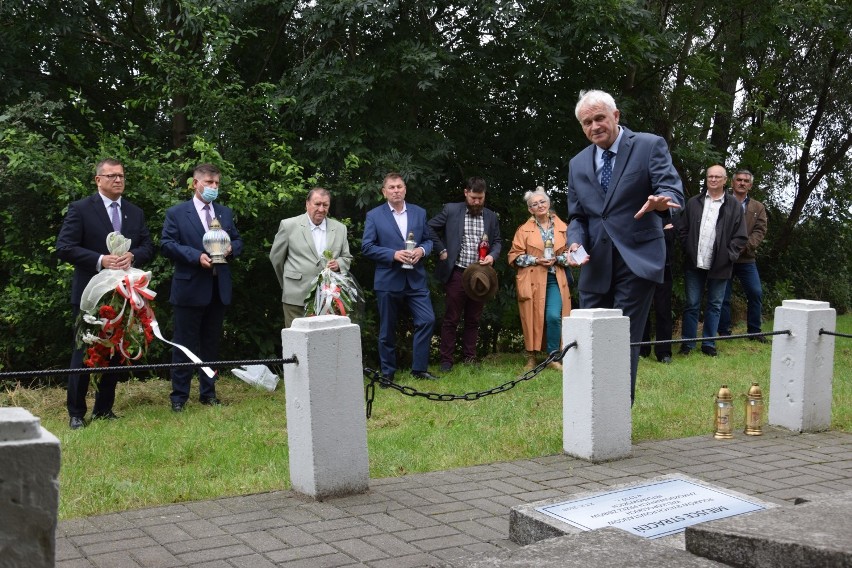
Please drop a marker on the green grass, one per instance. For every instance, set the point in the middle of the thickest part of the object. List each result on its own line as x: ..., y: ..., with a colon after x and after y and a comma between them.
x: 153, y: 456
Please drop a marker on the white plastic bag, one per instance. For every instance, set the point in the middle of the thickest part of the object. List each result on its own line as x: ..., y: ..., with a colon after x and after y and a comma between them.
x: 257, y: 375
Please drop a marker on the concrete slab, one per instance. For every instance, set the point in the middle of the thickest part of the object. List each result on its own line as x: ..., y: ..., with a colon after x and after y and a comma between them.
x: 527, y: 525
x: 417, y: 512
x: 815, y: 533
x: 603, y: 547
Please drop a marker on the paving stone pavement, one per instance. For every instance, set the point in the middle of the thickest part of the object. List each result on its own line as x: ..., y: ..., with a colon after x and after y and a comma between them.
x: 429, y: 518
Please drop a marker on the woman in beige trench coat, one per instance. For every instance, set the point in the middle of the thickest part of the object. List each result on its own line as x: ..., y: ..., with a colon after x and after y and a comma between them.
x: 542, y: 280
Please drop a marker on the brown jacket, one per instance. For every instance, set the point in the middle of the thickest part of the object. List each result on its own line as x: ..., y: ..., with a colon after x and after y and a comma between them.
x: 531, y: 281
x: 756, y: 224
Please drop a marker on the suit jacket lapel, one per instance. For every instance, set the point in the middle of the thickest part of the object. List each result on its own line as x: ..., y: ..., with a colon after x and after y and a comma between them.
x: 589, y: 159
x: 194, y: 220
x: 394, y: 228
x: 459, y: 224
x: 624, y: 149
x: 100, y: 212
x: 333, y: 235
x: 309, y: 238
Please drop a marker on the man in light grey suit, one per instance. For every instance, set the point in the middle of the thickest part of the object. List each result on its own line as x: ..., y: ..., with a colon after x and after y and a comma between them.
x: 612, y: 184
x: 297, y: 251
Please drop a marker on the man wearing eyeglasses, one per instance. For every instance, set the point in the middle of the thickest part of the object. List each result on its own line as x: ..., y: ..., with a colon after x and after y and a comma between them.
x: 712, y: 233
x: 82, y: 242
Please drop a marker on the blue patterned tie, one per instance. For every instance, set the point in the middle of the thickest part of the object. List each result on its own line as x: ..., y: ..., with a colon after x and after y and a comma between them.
x: 115, y: 216
x: 606, y: 171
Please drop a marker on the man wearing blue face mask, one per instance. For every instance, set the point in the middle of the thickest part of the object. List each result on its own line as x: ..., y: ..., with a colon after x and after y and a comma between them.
x: 200, y: 290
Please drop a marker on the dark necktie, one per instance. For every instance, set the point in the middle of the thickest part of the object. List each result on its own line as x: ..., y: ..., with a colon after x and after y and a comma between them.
x: 606, y: 171
x: 115, y: 216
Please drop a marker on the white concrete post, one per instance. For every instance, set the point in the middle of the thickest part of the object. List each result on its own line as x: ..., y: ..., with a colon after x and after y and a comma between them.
x: 802, y: 366
x: 29, y: 490
x: 326, y: 419
x: 596, y: 414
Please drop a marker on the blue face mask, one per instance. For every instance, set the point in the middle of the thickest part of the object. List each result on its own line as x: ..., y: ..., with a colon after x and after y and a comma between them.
x: 209, y: 194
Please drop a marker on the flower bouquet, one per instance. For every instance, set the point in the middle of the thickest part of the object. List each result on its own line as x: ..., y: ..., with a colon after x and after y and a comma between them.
x: 116, y: 319
x: 335, y: 293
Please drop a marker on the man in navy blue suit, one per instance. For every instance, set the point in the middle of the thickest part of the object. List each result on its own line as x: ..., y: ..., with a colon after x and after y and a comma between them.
x: 200, y: 290
x: 612, y: 184
x: 400, y: 275
x: 82, y: 242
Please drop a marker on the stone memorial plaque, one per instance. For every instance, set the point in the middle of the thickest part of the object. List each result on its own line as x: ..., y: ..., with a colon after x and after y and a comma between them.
x: 651, y: 511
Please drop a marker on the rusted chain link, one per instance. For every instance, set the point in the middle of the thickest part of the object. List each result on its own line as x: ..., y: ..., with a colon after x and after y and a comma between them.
x: 834, y: 333
x: 375, y: 377
x: 152, y: 367
x: 717, y: 338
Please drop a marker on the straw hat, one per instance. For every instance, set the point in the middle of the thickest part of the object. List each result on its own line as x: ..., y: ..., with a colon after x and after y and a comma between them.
x: 480, y: 282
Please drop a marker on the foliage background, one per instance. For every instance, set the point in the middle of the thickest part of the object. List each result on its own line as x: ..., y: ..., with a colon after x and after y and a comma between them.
x: 285, y: 95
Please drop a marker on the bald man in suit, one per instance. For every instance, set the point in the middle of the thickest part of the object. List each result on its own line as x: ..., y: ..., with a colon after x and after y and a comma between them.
x: 82, y: 242
x: 297, y: 252
x: 616, y: 186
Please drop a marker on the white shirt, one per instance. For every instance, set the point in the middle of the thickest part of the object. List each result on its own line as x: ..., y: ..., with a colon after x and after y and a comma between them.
x: 599, y: 154
x: 401, y: 219
x: 320, y: 235
x: 199, y: 208
x: 707, y: 233
x: 108, y: 204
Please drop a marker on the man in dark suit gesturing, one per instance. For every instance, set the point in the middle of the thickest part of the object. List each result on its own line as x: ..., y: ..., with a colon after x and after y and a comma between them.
x: 400, y: 276
x: 200, y: 289
x: 82, y: 242
x: 612, y: 184
x: 460, y: 228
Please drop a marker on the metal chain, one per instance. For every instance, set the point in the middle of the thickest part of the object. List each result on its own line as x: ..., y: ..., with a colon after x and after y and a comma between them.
x: 376, y: 377
x: 835, y: 333
x: 717, y: 338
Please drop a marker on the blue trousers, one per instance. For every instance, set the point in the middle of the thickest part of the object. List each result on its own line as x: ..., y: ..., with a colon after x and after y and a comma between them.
x: 553, y: 314
x: 750, y: 280
x: 420, y: 306
x: 695, y: 280
x: 199, y: 329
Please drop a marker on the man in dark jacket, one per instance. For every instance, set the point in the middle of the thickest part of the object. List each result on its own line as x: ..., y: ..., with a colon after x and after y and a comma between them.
x: 712, y: 233
x: 82, y: 242
x: 460, y: 228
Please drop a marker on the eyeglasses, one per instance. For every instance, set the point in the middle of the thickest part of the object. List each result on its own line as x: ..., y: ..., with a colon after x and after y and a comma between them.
x: 538, y: 204
x: 715, y: 177
x: 112, y: 177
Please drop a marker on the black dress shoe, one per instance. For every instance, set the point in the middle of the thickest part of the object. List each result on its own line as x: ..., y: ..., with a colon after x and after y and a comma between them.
x: 666, y: 360
x: 212, y: 401
x: 388, y: 376
x: 446, y: 367
x: 76, y: 423
x: 684, y: 350
x: 105, y: 416
x: 709, y: 351
x: 759, y: 339
x: 425, y: 375
x: 178, y: 406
